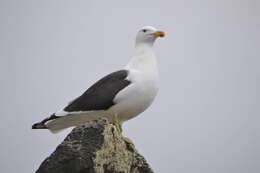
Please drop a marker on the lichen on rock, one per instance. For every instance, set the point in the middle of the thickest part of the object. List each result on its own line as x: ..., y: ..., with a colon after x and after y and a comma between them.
x: 96, y: 147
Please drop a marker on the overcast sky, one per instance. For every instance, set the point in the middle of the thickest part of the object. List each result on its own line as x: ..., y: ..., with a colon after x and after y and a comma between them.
x: 205, y: 118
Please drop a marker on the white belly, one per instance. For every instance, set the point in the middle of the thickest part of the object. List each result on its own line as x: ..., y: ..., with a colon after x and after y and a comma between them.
x: 135, y: 98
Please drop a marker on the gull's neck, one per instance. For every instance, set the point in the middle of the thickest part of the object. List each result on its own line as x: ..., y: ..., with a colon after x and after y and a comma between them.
x: 143, y: 48
x: 144, y: 58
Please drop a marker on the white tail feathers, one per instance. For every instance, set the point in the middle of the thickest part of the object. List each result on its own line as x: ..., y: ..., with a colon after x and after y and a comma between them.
x: 57, y: 125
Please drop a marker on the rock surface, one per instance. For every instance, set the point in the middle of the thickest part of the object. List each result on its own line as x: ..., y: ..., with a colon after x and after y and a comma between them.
x: 96, y: 147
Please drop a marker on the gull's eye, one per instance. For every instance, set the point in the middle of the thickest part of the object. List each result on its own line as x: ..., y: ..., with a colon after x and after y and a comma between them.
x: 144, y: 30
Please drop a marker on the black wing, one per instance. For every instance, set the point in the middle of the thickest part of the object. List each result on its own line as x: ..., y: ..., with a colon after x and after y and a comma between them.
x: 100, y: 95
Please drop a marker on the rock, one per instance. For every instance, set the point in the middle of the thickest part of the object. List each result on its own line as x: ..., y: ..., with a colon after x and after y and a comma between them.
x: 96, y: 147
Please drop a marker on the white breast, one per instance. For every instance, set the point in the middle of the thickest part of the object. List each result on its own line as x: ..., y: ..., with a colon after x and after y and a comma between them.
x: 139, y: 95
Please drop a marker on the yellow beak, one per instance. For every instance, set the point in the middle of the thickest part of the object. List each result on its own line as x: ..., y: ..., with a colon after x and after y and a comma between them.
x: 159, y: 34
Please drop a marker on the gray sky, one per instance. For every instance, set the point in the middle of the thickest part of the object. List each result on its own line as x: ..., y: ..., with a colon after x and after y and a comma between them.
x: 206, y: 116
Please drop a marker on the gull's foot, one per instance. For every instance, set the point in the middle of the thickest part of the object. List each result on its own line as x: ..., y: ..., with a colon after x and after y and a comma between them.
x: 127, y: 140
x: 129, y: 143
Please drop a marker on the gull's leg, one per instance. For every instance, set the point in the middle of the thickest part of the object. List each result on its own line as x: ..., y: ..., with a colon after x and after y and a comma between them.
x: 116, y: 123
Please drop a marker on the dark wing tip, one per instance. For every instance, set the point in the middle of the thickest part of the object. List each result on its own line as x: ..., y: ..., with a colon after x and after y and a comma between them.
x: 39, y: 126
